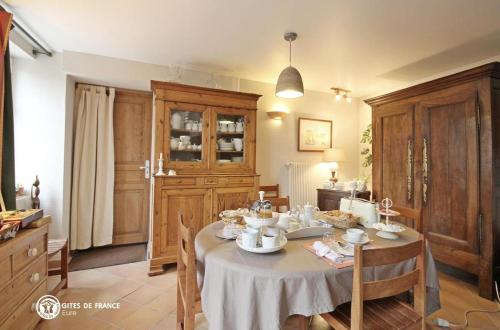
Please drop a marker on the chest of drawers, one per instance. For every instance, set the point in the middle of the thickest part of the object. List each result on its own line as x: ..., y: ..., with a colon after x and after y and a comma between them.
x: 23, y: 278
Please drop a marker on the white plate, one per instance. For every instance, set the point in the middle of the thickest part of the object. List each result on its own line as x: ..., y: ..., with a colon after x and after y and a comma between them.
x: 392, y: 228
x: 283, y: 242
x: 364, y: 241
x: 220, y: 234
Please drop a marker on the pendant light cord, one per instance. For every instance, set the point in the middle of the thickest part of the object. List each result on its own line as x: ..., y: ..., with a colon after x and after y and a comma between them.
x: 290, y: 55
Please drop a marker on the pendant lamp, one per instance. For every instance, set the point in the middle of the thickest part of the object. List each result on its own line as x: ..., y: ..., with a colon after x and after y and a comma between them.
x: 289, y: 83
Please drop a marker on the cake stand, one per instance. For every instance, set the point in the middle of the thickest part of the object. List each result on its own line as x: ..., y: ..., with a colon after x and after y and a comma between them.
x: 387, y: 229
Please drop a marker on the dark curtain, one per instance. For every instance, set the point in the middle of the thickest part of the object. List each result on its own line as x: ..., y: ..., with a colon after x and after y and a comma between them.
x: 8, y: 163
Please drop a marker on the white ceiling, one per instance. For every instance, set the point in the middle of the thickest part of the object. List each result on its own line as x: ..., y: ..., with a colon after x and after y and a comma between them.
x: 364, y: 45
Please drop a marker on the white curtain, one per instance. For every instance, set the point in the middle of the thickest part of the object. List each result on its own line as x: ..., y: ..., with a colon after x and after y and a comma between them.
x: 93, y: 168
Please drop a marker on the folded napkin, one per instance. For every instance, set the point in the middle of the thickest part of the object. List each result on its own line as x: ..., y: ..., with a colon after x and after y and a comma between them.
x: 322, y: 250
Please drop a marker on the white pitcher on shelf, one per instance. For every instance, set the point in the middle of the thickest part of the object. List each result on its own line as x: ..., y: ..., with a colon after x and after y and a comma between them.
x: 177, y: 121
x: 238, y: 144
x: 239, y: 127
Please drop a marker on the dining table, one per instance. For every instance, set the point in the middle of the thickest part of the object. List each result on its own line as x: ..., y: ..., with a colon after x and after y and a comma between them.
x: 245, y: 290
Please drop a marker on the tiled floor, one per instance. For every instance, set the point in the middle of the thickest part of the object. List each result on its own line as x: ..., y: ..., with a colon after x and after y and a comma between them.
x: 149, y: 302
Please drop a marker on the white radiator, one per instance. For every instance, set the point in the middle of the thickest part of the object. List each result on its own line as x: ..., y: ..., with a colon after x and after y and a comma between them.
x: 303, y: 180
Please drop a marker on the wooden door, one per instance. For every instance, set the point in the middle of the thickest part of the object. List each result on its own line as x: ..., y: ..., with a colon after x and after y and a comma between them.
x: 393, y: 154
x: 132, y: 138
x: 195, y: 206
x: 232, y: 199
x: 450, y: 176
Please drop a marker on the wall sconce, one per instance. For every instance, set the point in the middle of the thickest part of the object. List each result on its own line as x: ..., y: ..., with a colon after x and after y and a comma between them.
x: 338, y: 94
x: 277, y: 115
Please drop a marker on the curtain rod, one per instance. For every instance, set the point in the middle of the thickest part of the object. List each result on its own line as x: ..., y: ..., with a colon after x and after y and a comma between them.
x: 35, y: 51
x: 87, y: 87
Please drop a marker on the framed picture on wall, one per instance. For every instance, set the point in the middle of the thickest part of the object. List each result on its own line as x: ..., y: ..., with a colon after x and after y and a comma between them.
x: 314, y: 134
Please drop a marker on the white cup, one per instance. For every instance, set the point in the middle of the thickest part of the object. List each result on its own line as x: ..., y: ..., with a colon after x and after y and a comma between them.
x: 249, y: 237
x: 273, y: 230
x: 284, y: 221
x: 269, y: 241
x: 355, y: 234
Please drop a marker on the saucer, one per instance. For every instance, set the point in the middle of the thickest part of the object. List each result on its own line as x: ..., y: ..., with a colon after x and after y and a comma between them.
x: 362, y: 242
x: 220, y: 234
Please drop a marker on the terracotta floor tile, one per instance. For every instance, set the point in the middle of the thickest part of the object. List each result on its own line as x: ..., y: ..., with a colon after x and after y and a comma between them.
x: 142, y: 318
x: 144, y: 295
x: 165, y: 302
x: 115, y: 316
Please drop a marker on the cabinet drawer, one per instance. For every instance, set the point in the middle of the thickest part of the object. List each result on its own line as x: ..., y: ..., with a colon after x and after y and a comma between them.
x: 28, y: 253
x: 238, y: 180
x: 173, y: 181
x: 211, y: 181
x: 25, y: 316
x: 22, y: 285
x: 6, y: 270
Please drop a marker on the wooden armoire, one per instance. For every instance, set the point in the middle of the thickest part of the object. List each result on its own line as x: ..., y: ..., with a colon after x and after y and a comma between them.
x: 436, y: 148
x: 194, y: 128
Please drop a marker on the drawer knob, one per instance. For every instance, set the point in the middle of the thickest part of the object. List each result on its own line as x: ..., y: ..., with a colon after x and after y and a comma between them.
x: 35, y: 277
x: 33, y: 252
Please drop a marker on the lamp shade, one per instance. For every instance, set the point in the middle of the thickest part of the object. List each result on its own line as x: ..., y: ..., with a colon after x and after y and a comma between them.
x: 333, y: 155
x: 289, y: 84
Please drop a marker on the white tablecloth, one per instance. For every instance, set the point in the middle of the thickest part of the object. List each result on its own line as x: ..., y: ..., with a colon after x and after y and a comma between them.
x: 243, y: 290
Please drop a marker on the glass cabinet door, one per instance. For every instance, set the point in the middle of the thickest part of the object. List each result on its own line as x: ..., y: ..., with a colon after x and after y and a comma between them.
x: 233, y: 139
x: 186, y: 136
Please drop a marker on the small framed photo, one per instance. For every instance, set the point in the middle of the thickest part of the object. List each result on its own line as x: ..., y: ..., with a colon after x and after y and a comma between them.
x: 314, y: 134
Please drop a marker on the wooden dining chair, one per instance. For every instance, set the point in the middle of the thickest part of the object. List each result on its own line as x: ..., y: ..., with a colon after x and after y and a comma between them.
x: 188, y: 295
x: 280, y: 202
x: 415, y: 215
x: 373, y: 303
x: 270, y: 191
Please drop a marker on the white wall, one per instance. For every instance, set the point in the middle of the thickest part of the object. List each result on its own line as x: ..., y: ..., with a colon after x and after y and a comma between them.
x: 277, y: 140
x: 39, y: 102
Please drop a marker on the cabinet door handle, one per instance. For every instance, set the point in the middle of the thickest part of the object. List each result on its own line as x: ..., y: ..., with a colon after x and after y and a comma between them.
x: 409, y: 170
x: 425, y: 168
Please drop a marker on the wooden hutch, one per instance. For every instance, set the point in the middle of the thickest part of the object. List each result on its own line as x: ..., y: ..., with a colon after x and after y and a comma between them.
x: 436, y: 149
x: 191, y: 126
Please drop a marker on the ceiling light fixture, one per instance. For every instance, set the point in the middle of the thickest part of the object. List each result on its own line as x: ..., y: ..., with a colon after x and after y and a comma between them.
x: 289, y: 83
x: 341, y: 92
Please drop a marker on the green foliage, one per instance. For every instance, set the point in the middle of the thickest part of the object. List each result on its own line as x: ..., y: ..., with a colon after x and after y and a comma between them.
x: 366, y: 152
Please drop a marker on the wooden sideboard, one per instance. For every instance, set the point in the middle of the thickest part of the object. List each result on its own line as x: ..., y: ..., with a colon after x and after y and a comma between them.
x: 208, y: 178
x: 435, y: 149
x: 23, y: 278
x: 329, y: 199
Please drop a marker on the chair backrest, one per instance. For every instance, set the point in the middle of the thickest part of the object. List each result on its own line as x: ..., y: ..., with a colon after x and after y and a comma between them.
x: 389, y: 287
x: 271, y: 191
x: 279, y: 203
x: 186, y: 259
x: 414, y: 214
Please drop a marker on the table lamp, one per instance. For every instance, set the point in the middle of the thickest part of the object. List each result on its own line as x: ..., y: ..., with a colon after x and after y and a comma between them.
x: 333, y: 157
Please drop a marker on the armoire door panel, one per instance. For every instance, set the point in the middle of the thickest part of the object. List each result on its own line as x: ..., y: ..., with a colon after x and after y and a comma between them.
x: 132, y: 147
x: 393, y: 154
x: 450, y: 209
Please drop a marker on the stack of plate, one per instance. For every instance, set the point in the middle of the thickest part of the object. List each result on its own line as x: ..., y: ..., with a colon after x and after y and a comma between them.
x: 226, y: 146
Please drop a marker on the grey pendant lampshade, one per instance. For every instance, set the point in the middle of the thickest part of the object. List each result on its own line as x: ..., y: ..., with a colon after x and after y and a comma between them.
x: 289, y: 83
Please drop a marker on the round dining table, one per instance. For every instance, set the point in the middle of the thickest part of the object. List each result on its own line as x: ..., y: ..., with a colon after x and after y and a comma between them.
x: 244, y: 290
